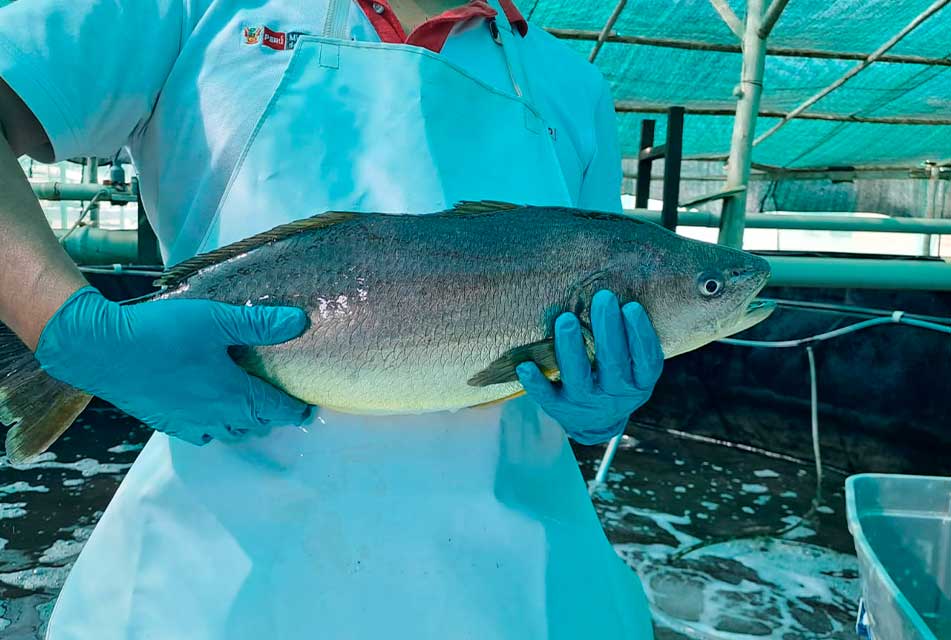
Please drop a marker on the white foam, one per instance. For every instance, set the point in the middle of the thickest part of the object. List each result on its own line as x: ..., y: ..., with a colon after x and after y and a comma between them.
x: 87, y: 466
x: 765, y: 473
x: 62, y: 550
x: 754, y: 488
x: 48, y: 579
x: 747, y: 577
x: 22, y: 487
x: 125, y: 448
x: 12, y: 510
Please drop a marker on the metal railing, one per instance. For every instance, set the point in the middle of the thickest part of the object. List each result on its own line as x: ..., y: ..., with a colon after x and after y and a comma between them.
x: 90, y: 245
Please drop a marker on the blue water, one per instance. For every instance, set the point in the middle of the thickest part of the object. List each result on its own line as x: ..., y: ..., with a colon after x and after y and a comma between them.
x: 665, y: 494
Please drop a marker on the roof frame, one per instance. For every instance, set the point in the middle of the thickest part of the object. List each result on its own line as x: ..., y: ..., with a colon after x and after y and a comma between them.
x: 729, y: 17
x: 789, y: 52
x: 873, y: 57
x: 632, y: 106
x: 606, y: 31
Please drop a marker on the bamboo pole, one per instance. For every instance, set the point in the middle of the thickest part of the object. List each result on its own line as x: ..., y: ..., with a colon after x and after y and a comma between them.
x: 744, y: 126
x: 729, y: 17
x: 606, y: 31
x: 772, y: 15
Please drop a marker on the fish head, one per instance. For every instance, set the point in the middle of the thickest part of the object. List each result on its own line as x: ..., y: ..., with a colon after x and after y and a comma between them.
x: 696, y: 292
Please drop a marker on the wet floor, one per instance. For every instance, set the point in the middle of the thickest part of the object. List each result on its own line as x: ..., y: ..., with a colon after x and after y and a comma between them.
x: 665, y: 495
x: 668, y: 495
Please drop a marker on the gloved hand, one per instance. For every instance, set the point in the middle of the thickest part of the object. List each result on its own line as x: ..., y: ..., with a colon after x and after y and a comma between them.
x: 594, y: 406
x: 166, y: 362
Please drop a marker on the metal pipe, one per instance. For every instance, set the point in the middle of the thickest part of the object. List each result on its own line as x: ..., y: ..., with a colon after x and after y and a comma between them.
x: 605, y: 466
x: 643, y: 189
x: 854, y: 71
x: 699, y: 45
x: 744, y: 126
x: 809, y: 222
x: 96, y: 246
x: 859, y: 273
x: 673, y: 153
x: 606, y: 31
x: 92, y: 177
x: 80, y: 192
x: 832, y: 175
x: 930, y: 201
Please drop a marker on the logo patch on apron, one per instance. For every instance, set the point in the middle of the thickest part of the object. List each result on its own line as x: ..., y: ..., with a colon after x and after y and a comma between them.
x: 267, y: 37
x: 276, y: 40
x: 252, y: 35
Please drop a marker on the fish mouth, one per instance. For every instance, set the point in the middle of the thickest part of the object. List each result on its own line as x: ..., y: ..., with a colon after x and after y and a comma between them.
x: 756, y: 311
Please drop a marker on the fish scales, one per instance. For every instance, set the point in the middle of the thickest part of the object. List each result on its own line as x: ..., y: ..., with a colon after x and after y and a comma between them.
x: 412, y: 314
x: 404, y: 310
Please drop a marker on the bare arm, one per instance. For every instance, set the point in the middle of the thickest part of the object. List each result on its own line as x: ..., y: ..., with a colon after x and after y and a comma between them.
x: 36, y: 275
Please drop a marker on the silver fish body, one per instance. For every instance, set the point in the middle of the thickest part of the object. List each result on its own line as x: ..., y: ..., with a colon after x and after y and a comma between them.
x: 406, y: 311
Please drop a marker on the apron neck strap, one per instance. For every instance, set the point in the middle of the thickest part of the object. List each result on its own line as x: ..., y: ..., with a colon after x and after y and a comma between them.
x: 338, y: 11
x: 335, y: 25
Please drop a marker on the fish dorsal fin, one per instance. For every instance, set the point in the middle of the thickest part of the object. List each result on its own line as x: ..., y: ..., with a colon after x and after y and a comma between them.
x: 187, y: 268
x: 479, y: 207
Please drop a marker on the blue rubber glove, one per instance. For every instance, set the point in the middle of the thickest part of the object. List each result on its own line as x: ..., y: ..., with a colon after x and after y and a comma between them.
x: 594, y: 406
x: 166, y: 362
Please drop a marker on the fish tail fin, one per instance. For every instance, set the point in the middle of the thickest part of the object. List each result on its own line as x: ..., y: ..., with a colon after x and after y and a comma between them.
x: 35, y: 406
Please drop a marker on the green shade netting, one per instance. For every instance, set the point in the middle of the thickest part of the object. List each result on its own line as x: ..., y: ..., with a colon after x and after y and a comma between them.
x: 661, y: 76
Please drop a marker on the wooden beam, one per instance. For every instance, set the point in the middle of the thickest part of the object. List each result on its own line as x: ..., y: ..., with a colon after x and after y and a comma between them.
x: 788, y: 52
x: 632, y: 106
x: 710, y: 197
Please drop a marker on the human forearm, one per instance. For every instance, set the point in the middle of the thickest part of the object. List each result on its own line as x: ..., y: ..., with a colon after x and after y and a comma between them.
x: 36, y: 274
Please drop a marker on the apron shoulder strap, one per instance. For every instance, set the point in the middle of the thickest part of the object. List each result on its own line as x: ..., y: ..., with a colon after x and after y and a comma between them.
x: 335, y: 25
x: 338, y: 11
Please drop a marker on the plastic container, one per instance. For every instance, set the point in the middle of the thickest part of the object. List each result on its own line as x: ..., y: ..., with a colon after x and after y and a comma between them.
x: 902, y: 531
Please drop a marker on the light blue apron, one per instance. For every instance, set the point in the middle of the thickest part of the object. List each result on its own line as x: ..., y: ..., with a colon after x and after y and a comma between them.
x: 475, y: 524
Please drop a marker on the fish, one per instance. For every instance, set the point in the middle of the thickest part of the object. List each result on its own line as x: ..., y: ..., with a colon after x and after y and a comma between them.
x: 425, y: 313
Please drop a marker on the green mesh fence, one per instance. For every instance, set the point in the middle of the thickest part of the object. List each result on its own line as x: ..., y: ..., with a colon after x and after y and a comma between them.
x: 657, y: 77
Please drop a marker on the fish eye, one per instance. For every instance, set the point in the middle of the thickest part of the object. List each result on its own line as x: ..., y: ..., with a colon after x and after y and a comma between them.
x: 710, y: 285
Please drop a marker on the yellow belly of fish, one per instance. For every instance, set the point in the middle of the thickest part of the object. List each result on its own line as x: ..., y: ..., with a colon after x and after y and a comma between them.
x: 397, y: 391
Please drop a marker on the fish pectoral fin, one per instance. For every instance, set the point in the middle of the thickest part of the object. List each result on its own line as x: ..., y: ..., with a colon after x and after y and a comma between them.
x: 542, y: 353
x: 492, y: 403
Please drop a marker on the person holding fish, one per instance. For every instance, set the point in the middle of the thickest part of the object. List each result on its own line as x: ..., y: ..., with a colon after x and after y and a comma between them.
x: 395, y: 507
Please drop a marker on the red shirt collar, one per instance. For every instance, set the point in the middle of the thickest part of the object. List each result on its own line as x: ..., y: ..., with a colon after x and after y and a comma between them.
x: 433, y: 33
